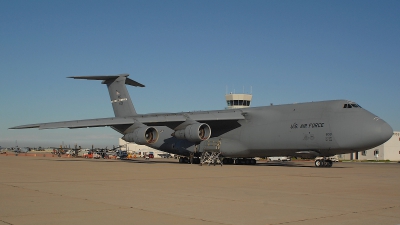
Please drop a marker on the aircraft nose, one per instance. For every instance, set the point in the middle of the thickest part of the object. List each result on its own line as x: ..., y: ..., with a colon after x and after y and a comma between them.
x: 385, y: 131
x: 379, y: 131
x: 362, y: 133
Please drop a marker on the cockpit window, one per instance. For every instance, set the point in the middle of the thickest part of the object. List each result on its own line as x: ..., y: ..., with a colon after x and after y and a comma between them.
x: 355, y: 105
x: 347, y: 106
x: 352, y: 105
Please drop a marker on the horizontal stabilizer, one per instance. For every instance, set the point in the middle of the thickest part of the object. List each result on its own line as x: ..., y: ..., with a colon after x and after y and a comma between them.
x: 110, y: 78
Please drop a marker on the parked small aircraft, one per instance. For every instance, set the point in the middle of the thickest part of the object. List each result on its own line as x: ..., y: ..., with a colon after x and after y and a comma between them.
x: 21, y: 149
x: 312, y: 129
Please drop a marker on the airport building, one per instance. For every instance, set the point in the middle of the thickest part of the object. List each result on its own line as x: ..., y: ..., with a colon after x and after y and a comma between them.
x: 235, y: 101
x: 389, y: 150
x: 140, y: 150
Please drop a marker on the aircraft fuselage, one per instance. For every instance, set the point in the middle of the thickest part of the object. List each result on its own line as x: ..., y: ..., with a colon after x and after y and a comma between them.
x: 326, y: 128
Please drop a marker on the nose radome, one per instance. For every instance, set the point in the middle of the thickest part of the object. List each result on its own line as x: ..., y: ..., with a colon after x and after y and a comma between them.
x: 386, y: 131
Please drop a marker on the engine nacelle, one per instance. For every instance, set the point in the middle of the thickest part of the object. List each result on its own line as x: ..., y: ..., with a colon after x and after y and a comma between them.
x: 142, y: 135
x: 195, y: 132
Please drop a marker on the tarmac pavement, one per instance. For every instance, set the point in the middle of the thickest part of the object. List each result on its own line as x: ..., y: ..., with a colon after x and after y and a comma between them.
x: 52, y: 190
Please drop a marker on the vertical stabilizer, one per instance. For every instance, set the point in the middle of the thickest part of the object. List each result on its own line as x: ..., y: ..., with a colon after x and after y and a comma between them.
x: 120, y: 99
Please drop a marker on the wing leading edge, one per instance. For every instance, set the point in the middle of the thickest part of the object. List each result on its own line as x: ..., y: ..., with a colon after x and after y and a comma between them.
x: 148, y: 119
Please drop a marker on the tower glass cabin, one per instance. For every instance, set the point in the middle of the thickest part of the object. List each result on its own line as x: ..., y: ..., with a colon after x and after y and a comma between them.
x: 235, y: 101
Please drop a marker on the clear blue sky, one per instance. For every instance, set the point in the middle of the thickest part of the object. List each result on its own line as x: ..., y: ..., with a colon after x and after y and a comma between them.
x: 187, y: 53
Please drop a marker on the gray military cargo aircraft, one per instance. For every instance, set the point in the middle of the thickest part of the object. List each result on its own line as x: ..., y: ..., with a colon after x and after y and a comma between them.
x: 313, y: 129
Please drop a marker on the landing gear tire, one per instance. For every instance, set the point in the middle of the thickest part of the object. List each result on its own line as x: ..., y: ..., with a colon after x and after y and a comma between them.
x: 323, y: 163
x: 227, y: 161
x: 184, y: 160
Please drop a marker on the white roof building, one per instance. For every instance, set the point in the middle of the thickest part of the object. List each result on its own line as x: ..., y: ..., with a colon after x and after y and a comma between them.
x: 140, y: 149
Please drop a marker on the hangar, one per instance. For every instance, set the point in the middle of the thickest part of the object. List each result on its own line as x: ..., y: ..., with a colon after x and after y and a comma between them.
x: 140, y: 150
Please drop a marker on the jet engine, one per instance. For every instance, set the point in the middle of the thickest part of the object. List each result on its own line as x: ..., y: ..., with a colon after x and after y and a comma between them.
x: 142, y: 135
x: 195, y: 132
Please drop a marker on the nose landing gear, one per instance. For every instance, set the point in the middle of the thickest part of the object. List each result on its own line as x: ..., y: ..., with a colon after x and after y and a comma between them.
x: 323, y: 163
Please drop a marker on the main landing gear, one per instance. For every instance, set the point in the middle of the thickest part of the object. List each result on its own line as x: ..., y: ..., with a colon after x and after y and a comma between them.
x: 212, y: 158
x: 186, y: 160
x: 323, y: 162
x: 239, y: 161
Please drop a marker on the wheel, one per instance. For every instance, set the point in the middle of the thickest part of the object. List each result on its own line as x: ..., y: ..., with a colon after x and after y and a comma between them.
x: 329, y: 163
x: 318, y: 163
x: 253, y: 162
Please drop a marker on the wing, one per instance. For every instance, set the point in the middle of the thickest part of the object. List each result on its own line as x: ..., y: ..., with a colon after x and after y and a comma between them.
x: 219, y: 121
x: 101, y: 122
x: 157, y: 119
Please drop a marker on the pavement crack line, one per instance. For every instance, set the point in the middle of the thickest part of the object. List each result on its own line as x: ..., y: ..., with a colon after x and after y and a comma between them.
x: 61, y: 213
x: 145, y: 179
x: 336, y: 215
x: 117, y: 206
x: 5, y: 222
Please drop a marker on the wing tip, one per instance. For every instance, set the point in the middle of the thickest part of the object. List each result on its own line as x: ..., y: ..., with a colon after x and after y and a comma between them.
x: 24, y: 127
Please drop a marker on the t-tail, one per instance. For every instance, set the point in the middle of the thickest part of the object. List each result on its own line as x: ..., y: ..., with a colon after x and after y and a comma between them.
x: 120, y: 99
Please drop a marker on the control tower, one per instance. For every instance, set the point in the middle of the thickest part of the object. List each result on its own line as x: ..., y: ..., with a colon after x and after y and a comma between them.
x: 236, y: 101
